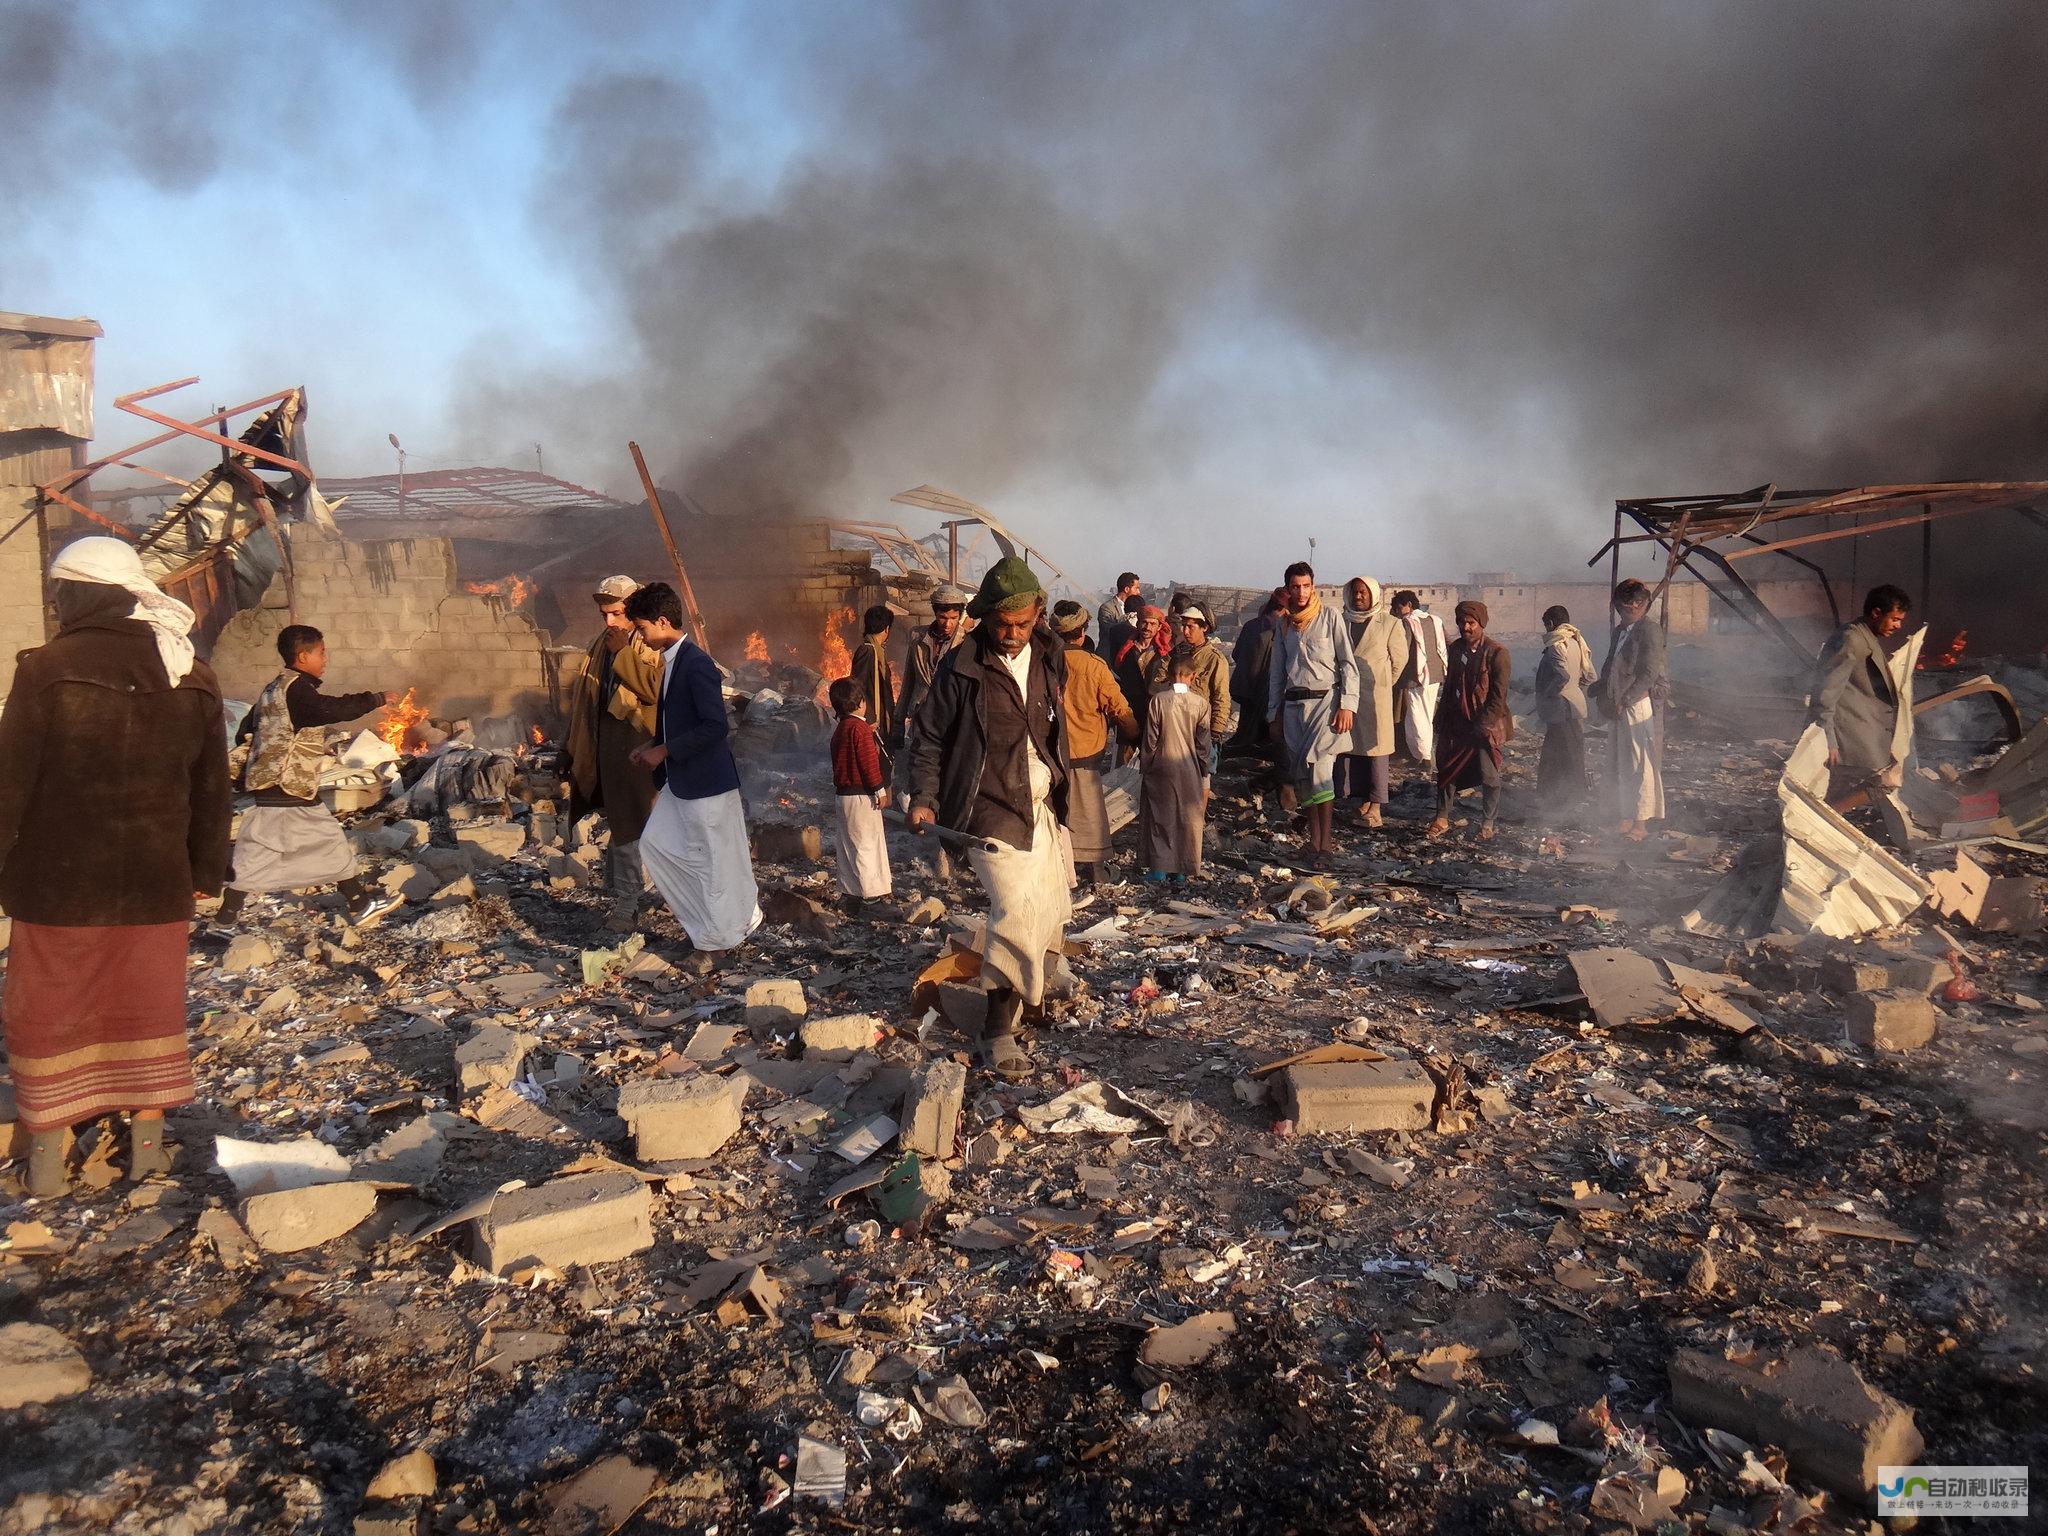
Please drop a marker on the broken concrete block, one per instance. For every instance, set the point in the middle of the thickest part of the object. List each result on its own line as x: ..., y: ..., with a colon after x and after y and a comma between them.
x: 925, y: 913
x: 392, y: 837
x: 591, y: 1218
x: 1389, y: 1095
x: 247, y: 952
x: 288, y: 1220
x: 411, y: 1476
x: 493, y: 841
x: 965, y: 1007
x: 838, y: 1039
x: 1814, y: 1405
x: 491, y: 1057
x: 566, y: 867
x: 931, y: 1109
x: 773, y: 1005
x: 388, y: 1520
x: 415, y: 882
x: 39, y: 1365
x: 777, y: 842
x: 1848, y: 974
x: 1918, y: 973
x: 1891, y: 1020
x: 679, y: 1117
x: 459, y: 892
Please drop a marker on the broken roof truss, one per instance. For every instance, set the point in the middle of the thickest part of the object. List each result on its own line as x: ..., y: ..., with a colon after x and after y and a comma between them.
x: 1709, y: 535
x: 218, y: 546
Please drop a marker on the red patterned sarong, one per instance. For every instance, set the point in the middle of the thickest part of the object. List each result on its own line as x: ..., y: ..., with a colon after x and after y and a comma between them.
x: 95, y: 1021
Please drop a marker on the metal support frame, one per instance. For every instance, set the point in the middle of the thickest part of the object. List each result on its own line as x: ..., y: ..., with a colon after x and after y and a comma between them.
x: 1687, y: 527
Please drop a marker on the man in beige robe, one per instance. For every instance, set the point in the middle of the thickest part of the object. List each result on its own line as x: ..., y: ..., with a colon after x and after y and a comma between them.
x: 611, y: 716
x: 1382, y: 644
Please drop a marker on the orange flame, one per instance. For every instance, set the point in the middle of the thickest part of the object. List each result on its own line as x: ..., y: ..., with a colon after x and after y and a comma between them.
x: 538, y: 739
x: 514, y: 589
x: 757, y: 646
x: 399, y: 719
x: 1951, y: 657
x: 834, y: 659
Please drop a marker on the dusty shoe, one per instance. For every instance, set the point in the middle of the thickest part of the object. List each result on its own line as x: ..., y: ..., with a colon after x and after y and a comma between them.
x: 1485, y: 833
x: 624, y: 916
x: 1005, y: 1056
x: 147, y: 1151
x: 1372, y: 814
x: 1437, y: 828
x: 46, y: 1176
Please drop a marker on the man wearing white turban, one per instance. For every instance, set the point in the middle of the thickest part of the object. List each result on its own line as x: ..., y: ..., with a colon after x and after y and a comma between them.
x: 114, y: 806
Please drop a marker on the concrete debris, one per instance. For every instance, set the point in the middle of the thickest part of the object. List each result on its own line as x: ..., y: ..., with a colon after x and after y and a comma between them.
x: 1895, y: 1021
x: 1435, y: 1158
x: 592, y: 1218
x: 1813, y: 1404
x: 838, y: 1039
x: 779, y: 843
x: 1189, y: 1343
x: 288, y: 1220
x: 39, y: 1365
x: 491, y: 1058
x: 931, y: 1109
x: 247, y: 952
x: 1357, y: 1096
x: 673, y: 1119
x: 411, y: 1476
x: 774, y: 1005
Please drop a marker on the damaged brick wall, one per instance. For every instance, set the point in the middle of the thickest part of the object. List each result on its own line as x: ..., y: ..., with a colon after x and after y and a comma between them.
x: 394, y: 617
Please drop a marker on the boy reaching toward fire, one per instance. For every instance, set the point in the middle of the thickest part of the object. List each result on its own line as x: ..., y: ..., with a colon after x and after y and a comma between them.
x: 290, y: 841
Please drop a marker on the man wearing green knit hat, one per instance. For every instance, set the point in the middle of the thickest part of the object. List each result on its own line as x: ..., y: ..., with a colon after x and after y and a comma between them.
x: 989, y: 759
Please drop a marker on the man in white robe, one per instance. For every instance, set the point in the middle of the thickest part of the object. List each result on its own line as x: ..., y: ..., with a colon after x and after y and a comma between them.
x: 695, y: 842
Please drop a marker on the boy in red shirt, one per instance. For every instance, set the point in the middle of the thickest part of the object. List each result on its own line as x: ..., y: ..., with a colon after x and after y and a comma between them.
x: 863, y: 792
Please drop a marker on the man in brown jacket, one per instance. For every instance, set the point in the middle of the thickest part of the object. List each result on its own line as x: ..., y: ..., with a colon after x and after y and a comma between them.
x: 113, y: 812
x: 1094, y: 704
x: 613, y: 716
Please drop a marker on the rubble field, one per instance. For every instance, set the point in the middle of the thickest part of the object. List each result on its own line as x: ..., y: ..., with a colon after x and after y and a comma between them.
x: 486, y: 1222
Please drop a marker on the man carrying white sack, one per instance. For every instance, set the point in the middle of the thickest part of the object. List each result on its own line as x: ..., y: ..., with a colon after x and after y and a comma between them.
x: 695, y: 842
x: 989, y: 759
x: 289, y: 841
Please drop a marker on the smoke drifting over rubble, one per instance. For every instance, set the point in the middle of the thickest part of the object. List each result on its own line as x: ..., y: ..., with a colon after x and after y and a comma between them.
x: 1457, y: 275
x: 1639, y: 251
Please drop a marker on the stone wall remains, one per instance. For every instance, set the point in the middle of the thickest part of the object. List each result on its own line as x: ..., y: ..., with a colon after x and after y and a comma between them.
x: 395, y: 617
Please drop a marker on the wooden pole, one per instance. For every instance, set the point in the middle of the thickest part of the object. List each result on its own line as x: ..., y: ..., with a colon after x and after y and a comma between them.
x: 661, y: 521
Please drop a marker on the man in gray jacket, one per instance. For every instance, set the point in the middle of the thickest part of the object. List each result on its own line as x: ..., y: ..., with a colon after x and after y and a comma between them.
x: 1312, y: 701
x: 1855, y: 702
x: 1632, y: 685
x: 1563, y: 674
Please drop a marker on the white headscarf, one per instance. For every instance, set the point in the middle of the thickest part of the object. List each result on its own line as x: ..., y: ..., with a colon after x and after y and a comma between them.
x: 111, y: 562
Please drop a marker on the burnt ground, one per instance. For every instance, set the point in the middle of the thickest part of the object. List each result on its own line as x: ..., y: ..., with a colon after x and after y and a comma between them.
x: 1541, y: 1258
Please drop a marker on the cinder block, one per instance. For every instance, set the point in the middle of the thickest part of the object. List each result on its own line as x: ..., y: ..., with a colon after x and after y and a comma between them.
x: 838, y: 1039
x: 1813, y: 1404
x: 1358, y: 1096
x: 931, y: 1108
x: 1891, y: 1020
x: 686, y: 1117
x: 591, y: 1218
x: 776, y: 1004
x: 491, y: 1057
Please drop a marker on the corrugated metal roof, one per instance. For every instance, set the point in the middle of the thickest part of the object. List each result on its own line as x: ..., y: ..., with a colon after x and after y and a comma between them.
x: 45, y: 385
x: 462, y: 493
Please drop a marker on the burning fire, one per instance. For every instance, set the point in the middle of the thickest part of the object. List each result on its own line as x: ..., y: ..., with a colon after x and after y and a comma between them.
x: 1951, y: 657
x: 834, y: 659
x: 757, y: 646
x: 399, y: 719
x: 538, y: 739
x: 514, y: 589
